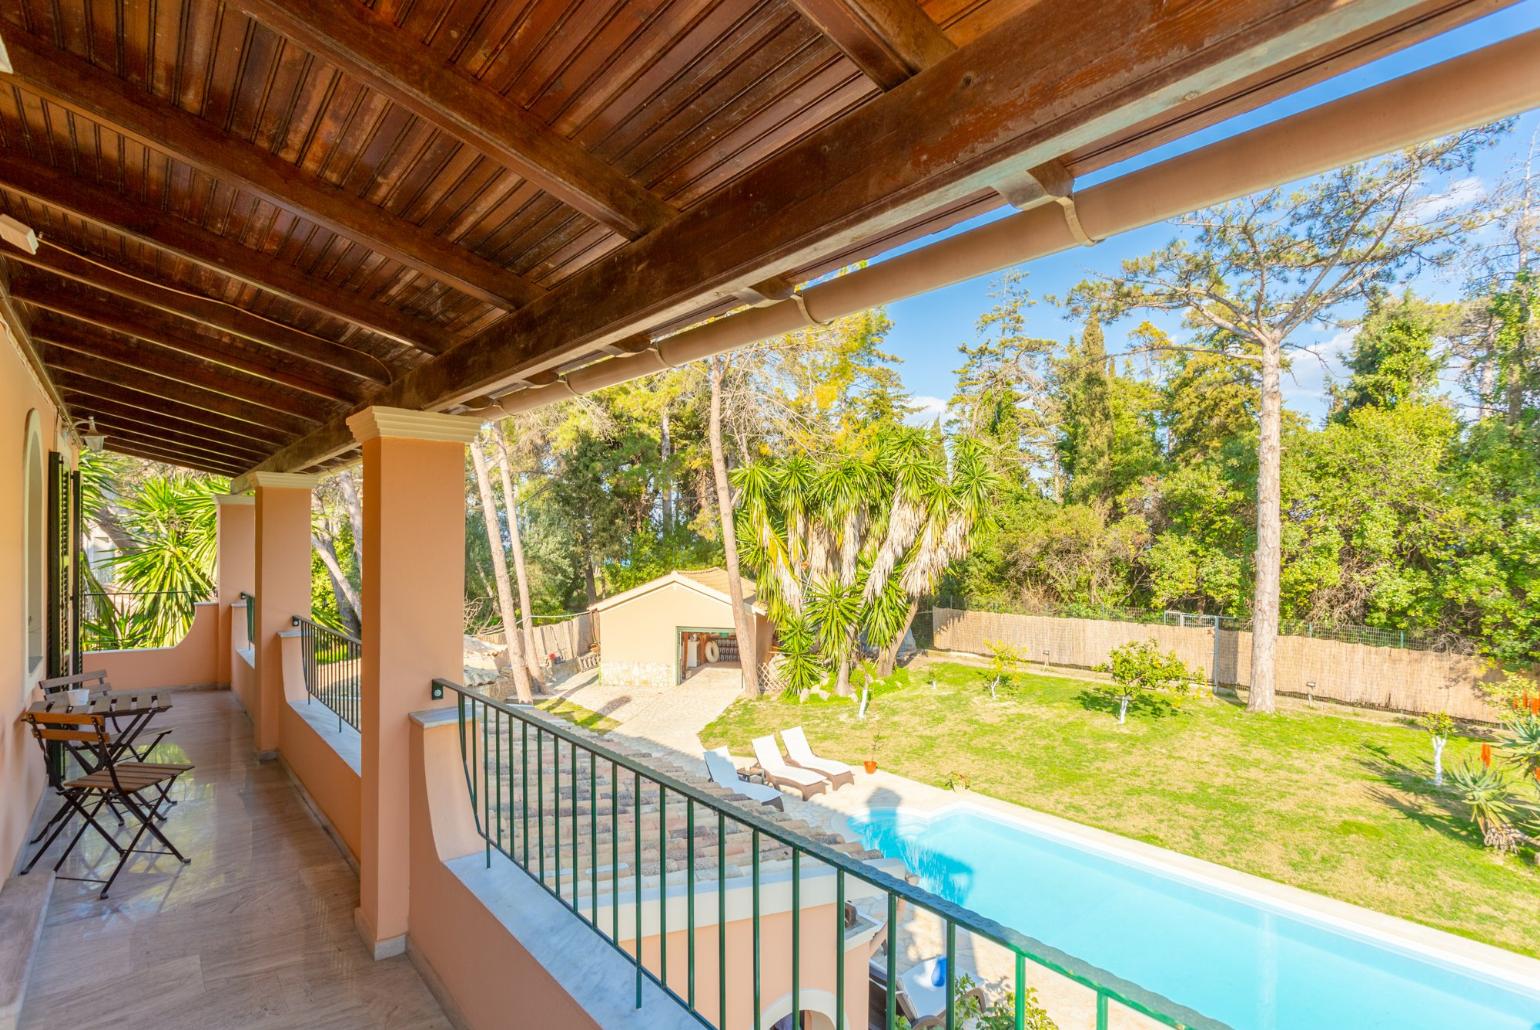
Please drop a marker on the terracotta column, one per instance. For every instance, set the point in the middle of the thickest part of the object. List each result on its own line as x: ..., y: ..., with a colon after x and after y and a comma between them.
x: 414, y: 598
x: 283, y: 588
x: 235, y: 566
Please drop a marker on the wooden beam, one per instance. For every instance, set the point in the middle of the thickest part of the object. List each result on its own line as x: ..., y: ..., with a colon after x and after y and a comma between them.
x: 159, y: 438
x: 149, y: 225
x: 153, y: 389
x: 889, y: 40
x: 323, y: 364
x: 1018, y: 96
x: 152, y: 406
x: 80, y: 86
x: 170, y: 334
x: 93, y: 343
x: 191, y: 441
x: 167, y: 456
x: 235, y: 440
x: 367, y: 46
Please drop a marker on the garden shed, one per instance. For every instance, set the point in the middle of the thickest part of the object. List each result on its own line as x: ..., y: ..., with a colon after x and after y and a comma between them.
x: 667, y: 629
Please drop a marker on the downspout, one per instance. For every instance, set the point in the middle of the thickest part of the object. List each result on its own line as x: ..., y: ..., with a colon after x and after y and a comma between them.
x: 1480, y: 87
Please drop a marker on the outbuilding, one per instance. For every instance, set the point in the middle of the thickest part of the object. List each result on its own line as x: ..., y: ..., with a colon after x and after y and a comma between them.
x: 666, y: 630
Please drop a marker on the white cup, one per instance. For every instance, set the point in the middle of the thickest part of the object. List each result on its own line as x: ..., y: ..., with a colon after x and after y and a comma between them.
x: 79, y: 697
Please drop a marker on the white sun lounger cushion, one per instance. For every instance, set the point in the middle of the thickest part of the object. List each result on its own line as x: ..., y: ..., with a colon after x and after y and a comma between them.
x: 725, y: 774
x: 797, y: 747
x: 769, y: 758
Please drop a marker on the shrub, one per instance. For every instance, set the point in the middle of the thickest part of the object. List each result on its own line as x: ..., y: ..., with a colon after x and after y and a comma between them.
x: 1002, y: 665
x: 1140, y: 669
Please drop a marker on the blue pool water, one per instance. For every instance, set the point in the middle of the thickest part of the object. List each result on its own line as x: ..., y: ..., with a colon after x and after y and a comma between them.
x: 1231, y: 959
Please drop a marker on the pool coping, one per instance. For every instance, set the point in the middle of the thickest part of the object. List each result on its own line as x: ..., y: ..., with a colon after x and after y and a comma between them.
x: 1487, y: 962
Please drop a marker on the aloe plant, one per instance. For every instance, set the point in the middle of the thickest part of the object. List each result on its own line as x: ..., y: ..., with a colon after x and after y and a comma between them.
x: 1520, y: 745
x: 1484, y: 790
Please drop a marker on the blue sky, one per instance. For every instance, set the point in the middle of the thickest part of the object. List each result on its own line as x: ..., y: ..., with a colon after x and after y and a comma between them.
x: 927, y: 329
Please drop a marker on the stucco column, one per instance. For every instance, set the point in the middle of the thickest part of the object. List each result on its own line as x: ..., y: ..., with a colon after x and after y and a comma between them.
x: 235, y: 567
x: 414, y: 597
x: 283, y: 588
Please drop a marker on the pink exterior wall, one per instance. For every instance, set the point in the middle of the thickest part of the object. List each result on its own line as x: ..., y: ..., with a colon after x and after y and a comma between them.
x: 193, y: 662
x: 235, y: 573
x: 243, y: 670
x: 328, y: 779
x: 21, y: 764
x: 283, y: 591
x: 458, y: 937
x: 413, y: 593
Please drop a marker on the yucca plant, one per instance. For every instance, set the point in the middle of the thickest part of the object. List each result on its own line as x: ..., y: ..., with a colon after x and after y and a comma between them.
x: 172, y: 523
x: 848, y: 544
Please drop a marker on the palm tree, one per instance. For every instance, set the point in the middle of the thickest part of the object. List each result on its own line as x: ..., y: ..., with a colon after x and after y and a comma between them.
x: 167, y: 565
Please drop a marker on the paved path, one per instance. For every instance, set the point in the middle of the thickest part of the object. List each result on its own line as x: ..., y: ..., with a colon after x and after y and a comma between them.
x: 669, y: 717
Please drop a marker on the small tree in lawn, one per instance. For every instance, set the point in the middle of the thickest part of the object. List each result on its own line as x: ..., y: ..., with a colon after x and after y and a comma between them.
x: 1002, y: 663
x: 1440, y: 727
x: 1140, y: 668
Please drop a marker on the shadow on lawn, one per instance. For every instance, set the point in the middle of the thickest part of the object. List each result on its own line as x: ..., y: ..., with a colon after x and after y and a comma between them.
x: 1093, y: 700
x: 1433, y: 807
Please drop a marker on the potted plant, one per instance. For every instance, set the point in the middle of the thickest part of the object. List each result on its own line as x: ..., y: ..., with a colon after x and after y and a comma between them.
x: 870, y: 765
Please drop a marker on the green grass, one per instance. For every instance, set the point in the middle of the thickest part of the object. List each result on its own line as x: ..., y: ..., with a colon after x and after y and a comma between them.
x: 576, y: 713
x: 1335, y: 804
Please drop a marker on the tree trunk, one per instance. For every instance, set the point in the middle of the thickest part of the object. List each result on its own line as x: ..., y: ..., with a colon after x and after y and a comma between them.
x: 342, y: 589
x: 743, y: 618
x: 500, y: 572
x: 1269, y: 552
x: 888, y: 660
x: 1438, y: 761
x: 665, y: 476
x: 520, y: 570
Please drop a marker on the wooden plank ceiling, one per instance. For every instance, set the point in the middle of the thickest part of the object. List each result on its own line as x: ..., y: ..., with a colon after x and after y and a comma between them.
x: 257, y: 216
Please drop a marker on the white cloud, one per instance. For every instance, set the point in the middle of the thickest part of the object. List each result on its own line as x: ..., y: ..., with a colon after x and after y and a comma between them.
x: 1460, y: 193
x: 927, y: 410
x: 1339, y: 344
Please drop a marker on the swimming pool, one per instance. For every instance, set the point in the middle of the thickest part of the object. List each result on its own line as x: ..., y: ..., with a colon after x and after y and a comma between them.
x: 1230, y: 957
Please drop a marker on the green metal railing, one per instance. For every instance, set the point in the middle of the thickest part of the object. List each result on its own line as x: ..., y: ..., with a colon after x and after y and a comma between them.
x: 334, y: 665
x: 251, y: 618
x: 527, y: 778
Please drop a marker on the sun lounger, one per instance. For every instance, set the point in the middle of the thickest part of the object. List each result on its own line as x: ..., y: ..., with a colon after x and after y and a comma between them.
x: 799, y: 754
x: 725, y: 774
x: 920, y: 999
x: 768, y: 754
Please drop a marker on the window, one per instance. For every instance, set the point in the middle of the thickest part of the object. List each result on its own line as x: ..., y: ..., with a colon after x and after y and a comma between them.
x: 34, y: 542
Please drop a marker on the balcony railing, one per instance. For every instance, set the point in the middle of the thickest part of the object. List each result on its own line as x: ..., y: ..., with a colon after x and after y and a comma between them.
x: 333, y: 669
x: 251, y: 618
x: 117, y: 620
x: 515, y: 764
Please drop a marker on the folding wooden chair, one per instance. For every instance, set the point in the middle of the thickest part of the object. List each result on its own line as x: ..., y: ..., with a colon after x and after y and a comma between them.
x: 109, y: 782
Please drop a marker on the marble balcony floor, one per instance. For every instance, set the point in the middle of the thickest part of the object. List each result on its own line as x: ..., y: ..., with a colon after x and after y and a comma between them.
x: 257, y: 931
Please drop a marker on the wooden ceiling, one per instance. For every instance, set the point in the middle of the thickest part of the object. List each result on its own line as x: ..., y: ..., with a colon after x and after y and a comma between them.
x: 258, y: 216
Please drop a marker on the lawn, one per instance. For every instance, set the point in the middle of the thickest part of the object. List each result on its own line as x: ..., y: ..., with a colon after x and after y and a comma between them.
x: 1332, y: 803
